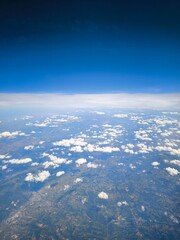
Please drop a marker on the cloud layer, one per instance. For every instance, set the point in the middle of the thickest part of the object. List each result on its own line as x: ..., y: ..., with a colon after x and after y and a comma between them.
x: 121, y: 100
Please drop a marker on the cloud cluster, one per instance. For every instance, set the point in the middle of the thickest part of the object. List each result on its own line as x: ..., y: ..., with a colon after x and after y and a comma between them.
x: 20, y: 161
x: 172, y: 171
x: 81, y: 161
x: 40, y: 177
x: 11, y: 134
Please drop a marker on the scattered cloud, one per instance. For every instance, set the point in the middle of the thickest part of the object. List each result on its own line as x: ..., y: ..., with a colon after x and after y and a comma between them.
x: 20, y: 161
x: 103, y: 195
x: 172, y: 171
x: 40, y: 177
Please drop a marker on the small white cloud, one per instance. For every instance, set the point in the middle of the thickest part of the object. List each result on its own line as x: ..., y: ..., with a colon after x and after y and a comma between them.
x: 122, y: 115
x: 103, y: 195
x: 172, y: 171
x: 92, y: 165
x: 78, y: 180
x: 81, y: 161
x: 20, y: 161
x: 155, y: 164
x: 30, y: 147
x: 123, y: 203
x: 58, y: 174
x: 142, y: 208
x: 99, y: 113
x: 40, y: 177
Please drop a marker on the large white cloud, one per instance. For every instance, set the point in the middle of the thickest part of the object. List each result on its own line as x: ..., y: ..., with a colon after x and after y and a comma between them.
x: 122, y: 100
x: 11, y: 134
x: 81, y: 161
x: 172, y: 171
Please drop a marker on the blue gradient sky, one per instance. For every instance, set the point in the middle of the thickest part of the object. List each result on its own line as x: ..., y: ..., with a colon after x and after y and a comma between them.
x: 91, y: 47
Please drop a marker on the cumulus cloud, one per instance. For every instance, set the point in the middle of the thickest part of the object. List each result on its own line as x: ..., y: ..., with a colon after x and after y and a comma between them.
x: 78, y: 180
x: 172, y: 171
x: 11, y: 134
x: 176, y: 162
x: 60, y: 173
x: 155, y: 164
x: 20, y: 161
x: 70, y: 142
x: 81, y: 161
x: 99, y: 113
x: 123, y: 203
x: 103, y: 195
x: 107, y: 149
x: 30, y: 147
x: 40, y: 177
x: 92, y: 165
x: 121, y: 115
x: 76, y: 149
x: 122, y: 100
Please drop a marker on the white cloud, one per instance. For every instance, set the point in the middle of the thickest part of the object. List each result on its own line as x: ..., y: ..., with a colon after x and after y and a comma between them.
x: 58, y: 174
x: 11, y: 134
x: 122, y: 100
x: 78, y: 180
x: 70, y: 142
x: 20, y: 161
x: 76, y: 149
x: 103, y: 195
x: 107, y: 149
x: 40, y: 177
x: 119, y: 204
x: 172, y: 171
x: 155, y: 164
x: 176, y: 162
x: 99, y: 113
x: 81, y: 161
x: 4, y: 156
x: 121, y: 115
x: 30, y: 147
x: 92, y: 165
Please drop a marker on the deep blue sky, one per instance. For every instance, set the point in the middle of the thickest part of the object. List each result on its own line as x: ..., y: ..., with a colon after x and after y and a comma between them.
x: 89, y: 46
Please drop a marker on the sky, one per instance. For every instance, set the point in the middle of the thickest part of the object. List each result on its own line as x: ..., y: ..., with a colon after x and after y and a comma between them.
x: 90, y: 46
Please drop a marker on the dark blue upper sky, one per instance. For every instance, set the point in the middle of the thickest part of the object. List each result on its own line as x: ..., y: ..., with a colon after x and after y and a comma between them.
x: 89, y: 46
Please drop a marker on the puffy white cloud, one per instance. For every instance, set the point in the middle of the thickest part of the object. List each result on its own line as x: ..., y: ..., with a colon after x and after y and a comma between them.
x: 4, y: 167
x: 40, y: 177
x: 120, y: 115
x: 119, y: 204
x: 60, y: 173
x: 34, y: 164
x: 172, y: 171
x: 155, y: 164
x: 144, y: 148
x: 78, y: 180
x: 99, y: 113
x: 103, y: 195
x: 142, y: 134
x: 11, y: 134
x: 92, y: 165
x: 107, y: 149
x: 20, y: 161
x: 76, y: 149
x: 176, y: 162
x: 70, y: 142
x: 81, y: 161
x: 4, y: 156
x: 171, y: 150
x: 30, y: 147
